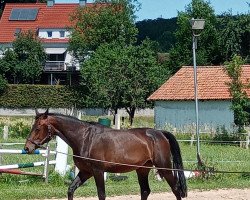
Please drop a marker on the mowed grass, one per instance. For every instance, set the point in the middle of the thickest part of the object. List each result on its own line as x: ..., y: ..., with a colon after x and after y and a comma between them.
x: 220, y: 157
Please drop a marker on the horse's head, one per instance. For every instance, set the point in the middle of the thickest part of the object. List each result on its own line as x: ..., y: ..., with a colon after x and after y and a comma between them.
x: 40, y: 133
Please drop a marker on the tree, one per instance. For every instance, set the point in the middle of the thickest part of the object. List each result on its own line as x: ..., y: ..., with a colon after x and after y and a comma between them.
x: 122, y: 76
x: 159, y: 30
x: 24, y: 62
x: 208, y: 51
x: 234, y: 35
x: 101, y: 23
x: 116, y: 73
x: 7, y: 64
x: 144, y: 74
x: 240, y: 101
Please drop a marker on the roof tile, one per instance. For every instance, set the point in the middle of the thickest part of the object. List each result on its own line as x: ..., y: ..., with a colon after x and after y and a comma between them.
x: 56, y: 16
x: 211, y: 80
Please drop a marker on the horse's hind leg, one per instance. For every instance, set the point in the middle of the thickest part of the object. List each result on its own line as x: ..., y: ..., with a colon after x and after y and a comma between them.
x: 172, y: 181
x: 99, y: 181
x: 142, y: 174
x: 77, y: 182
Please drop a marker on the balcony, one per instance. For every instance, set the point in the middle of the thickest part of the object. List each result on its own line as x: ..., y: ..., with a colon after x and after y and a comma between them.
x: 54, y: 66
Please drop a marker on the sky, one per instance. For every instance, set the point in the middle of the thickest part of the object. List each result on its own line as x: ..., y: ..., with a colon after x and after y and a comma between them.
x: 152, y: 9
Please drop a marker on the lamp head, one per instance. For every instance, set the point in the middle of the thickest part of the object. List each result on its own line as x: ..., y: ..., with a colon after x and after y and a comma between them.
x: 197, y: 26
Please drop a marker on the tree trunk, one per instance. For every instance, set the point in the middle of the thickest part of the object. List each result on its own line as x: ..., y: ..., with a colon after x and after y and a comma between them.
x: 131, y: 113
x: 116, y: 111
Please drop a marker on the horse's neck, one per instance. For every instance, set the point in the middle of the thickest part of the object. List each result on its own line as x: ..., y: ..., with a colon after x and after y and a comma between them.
x: 68, y: 130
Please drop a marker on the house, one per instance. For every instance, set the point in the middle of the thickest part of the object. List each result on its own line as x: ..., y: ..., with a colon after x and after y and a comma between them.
x: 175, y: 101
x: 51, y: 23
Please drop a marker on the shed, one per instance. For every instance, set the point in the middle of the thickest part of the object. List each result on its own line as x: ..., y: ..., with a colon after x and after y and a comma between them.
x: 175, y: 102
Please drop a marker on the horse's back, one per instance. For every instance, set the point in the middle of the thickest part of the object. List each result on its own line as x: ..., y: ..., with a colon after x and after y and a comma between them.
x: 130, y: 146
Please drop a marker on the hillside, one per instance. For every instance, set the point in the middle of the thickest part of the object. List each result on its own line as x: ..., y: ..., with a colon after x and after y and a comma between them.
x: 159, y: 30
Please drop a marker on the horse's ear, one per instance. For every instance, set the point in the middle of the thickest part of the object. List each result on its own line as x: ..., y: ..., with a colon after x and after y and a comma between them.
x: 46, y: 112
x: 37, y: 113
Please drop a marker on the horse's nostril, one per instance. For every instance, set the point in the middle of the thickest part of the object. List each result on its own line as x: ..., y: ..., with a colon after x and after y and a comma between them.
x: 26, y: 149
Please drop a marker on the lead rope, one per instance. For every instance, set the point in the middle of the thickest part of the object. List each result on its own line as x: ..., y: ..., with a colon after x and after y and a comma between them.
x: 148, y: 167
x: 157, y: 168
x: 130, y: 165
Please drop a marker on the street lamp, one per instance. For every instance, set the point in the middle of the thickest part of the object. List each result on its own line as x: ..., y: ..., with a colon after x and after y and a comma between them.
x: 197, y: 27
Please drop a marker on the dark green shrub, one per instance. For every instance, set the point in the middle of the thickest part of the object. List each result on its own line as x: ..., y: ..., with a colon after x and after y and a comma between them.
x: 40, y: 96
x: 3, y: 84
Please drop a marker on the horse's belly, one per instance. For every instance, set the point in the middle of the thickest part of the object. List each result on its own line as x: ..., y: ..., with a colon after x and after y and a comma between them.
x: 120, y: 169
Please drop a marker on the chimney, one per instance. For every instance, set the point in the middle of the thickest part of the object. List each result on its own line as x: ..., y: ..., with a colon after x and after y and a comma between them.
x: 50, y: 3
x: 82, y: 3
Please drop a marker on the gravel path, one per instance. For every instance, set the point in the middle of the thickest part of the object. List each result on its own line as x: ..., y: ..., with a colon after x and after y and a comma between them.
x: 232, y: 194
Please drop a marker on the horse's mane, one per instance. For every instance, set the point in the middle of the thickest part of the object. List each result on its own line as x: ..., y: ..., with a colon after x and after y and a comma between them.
x: 74, y: 119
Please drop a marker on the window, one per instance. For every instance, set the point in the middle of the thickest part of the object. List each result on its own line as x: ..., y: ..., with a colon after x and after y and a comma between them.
x: 49, y: 34
x: 17, y: 32
x: 62, y: 34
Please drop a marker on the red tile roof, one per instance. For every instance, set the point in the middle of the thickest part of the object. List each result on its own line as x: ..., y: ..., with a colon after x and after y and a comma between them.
x: 56, y: 16
x: 212, y: 84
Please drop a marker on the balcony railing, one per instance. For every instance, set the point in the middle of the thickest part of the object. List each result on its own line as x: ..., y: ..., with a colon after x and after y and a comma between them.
x: 54, y: 66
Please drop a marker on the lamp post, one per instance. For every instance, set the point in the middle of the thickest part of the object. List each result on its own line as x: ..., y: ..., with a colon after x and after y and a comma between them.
x: 197, y: 27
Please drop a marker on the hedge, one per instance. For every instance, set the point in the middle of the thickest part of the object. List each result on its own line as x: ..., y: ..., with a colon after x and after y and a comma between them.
x: 40, y: 96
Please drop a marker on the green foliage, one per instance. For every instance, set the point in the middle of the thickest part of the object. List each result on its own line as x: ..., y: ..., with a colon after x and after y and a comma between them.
x: 240, y: 101
x: 24, y: 62
x: 222, y: 37
x: 30, y: 57
x: 234, y: 35
x: 8, y: 62
x: 159, y: 30
x: 40, y: 96
x: 19, y: 130
x: 3, y: 84
x: 119, y: 76
x: 226, y: 137
x: 19, y: 127
x: 98, y: 25
x: 207, y: 52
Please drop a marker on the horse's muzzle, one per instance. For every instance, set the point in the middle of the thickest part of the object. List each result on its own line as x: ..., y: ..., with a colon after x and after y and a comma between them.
x: 29, y: 147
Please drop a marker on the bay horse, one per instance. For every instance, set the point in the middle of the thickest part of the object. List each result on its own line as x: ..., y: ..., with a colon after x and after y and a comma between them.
x: 121, y: 150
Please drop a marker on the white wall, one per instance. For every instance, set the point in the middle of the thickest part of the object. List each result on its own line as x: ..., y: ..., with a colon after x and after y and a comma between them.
x: 181, y: 115
x: 55, y: 33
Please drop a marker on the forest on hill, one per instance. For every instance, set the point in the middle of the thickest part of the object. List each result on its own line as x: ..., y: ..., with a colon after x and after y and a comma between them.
x: 160, y: 30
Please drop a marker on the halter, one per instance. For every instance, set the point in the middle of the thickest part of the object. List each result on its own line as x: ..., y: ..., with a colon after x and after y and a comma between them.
x: 47, y: 138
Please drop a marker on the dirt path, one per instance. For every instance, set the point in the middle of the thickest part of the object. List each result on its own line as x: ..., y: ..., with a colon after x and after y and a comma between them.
x: 232, y: 194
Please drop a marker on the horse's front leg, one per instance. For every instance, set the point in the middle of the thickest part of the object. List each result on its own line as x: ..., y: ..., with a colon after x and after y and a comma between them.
x: 99, y: 181
x: 77, y: 182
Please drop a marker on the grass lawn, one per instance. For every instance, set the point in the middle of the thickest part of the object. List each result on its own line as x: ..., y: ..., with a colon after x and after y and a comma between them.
x: 28, y: 187
x: 221, y: 157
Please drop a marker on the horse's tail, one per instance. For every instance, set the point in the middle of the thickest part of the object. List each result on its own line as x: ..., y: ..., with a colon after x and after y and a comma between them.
x: 177, y: 163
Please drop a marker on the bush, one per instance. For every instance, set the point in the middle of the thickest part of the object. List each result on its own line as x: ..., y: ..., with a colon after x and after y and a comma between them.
x: 40, y: 96
x: 19, y: 130
x: 3, y: 84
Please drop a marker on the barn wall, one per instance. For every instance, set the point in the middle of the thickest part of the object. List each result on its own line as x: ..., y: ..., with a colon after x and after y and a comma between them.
x: 180, y: 115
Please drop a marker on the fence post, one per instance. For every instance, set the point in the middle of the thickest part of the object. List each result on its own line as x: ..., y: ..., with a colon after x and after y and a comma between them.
x: 192, y: 140
x: 46, y: 165
x: 76, y: 169
x: 247, y: 140
x: 117, y: 121
x: 117, y: 126
x: 1, y: 155
x: 5, y: 132
x: 61, y: 156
